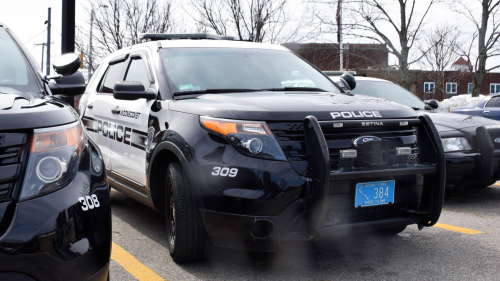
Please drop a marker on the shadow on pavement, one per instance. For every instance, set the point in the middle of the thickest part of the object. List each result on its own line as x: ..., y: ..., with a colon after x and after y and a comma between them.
x: 411, y: 255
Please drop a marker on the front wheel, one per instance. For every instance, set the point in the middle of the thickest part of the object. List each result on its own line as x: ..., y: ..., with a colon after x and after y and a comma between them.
x: 185, y: 230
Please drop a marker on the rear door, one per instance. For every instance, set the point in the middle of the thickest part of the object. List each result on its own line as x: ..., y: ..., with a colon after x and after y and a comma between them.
x: 129, y: 151
x: 101, y: 108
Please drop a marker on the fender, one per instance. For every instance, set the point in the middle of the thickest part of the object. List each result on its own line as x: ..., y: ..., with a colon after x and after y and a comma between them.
x: 169, y: 146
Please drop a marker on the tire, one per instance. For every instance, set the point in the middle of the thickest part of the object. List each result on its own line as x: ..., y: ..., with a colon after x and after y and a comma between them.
x: 185, y: 229
x: 392, y: 231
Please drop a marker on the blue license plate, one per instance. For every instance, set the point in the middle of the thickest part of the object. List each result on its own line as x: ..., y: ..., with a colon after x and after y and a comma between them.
x: 374, y: 193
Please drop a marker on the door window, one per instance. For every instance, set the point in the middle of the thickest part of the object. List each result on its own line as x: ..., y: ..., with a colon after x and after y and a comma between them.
x: 137, y: 72
x: 491, y: 103
x: 113, y: 75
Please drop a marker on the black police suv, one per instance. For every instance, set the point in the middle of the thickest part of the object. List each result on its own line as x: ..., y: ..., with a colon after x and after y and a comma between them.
x: 55, y: 216
x: 253, y: 145
x: 471, y: 143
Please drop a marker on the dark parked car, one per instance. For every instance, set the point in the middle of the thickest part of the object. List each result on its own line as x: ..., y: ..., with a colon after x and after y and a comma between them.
x: 489, y: 107
x: 223, y: 137
x: 55, y: 216
x: 472, y: 144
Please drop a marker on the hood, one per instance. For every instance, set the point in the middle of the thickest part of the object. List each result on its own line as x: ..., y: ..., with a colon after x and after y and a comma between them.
x: 450, y: 121
x: 291, y: 106
x: 20, y: 112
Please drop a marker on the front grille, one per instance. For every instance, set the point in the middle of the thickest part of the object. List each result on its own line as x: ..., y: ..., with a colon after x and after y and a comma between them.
x: 12, y: 147
x: 367, y: 213
x: 374, y: 155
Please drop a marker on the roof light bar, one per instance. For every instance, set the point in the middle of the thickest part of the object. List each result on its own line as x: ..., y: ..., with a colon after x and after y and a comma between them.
x: 194, y: 36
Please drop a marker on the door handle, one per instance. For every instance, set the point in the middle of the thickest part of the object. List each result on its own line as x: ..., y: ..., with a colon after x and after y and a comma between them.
x: 486, y: 112
x: 115, y: 111
x: 90, y: 106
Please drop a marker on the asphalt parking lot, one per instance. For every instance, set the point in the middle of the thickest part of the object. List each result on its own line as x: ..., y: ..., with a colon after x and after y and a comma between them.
x: 464, y: 246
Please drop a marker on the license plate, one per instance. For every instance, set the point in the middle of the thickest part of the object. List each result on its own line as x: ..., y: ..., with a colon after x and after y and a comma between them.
x: 374, y: 193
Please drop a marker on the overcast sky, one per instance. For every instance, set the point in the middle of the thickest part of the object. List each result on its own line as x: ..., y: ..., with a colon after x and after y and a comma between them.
x: 26, y: 19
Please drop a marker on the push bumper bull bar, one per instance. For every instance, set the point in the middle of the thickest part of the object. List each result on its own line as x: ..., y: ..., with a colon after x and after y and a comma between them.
x: 321, y: 176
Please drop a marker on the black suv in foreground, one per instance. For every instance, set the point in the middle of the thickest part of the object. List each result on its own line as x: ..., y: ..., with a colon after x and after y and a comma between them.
x: 254, y: 145
x: 55, y: 216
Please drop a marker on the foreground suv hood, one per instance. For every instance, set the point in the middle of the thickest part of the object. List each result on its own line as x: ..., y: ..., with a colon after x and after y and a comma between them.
x: 289, y: 106
x: 450, y: 121
x: 18, y: 112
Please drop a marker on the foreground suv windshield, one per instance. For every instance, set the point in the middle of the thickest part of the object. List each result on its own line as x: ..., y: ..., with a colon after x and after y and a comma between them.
x: 15, y: 74
x: 199, y: 69
x: 388, y: 91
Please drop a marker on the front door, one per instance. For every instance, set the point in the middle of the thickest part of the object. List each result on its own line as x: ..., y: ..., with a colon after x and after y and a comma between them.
x: 101, y: 110
x: 131, y: 133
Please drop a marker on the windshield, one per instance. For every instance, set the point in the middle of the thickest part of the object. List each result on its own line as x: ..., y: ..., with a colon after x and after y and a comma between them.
x: 198, y: 69
x: 388, y: 91
x: 15, y: 74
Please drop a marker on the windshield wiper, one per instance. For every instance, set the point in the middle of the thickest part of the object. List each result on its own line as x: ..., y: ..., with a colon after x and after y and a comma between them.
x: 214, y: 91
x: 300, y: 89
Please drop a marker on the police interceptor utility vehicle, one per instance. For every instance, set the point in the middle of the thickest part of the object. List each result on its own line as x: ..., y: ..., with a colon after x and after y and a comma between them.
x: 55, y: 214
x: 252, y: 144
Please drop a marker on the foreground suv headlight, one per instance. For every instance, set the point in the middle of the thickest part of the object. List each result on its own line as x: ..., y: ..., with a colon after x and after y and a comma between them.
x: 456, y: 144
x: 251, y: 138
x: 54, y: 158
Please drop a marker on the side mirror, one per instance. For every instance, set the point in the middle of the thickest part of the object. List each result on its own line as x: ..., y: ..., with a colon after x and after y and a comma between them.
x: 67, y: 64
x: 132, y: 90
x: 72, y: 85
x: 349, y: 81
x: 432, y: 103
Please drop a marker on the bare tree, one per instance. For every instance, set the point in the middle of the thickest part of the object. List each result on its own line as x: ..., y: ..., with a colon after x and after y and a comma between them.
x: 483, y: 15
x: 439, y: 50
x: 254, y: 20
x: 119, y: 24
x: 383, y: 20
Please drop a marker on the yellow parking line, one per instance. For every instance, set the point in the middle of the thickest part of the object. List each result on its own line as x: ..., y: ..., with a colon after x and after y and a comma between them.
x: 457, y: 229
x: 496, y: 183
x: 132, y: 265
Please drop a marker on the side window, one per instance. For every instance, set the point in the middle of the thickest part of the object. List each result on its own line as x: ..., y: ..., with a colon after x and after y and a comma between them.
x: 137, y: 72
x: 113, y: 75
x: 491, y: 103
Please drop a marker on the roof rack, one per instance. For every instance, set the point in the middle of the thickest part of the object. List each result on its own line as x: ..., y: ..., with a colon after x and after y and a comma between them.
x: 195, y: 36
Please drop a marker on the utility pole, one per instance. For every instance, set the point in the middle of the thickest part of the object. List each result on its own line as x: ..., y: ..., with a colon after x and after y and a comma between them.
x: 43, y: 50
x: 68, y: 34
x: 341, y: 45
x: 90, y: 44
x: 48, y: 45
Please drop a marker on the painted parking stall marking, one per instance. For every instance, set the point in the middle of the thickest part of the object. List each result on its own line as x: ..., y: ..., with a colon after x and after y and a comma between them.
x: 132, y: 265
x: 457, y: 228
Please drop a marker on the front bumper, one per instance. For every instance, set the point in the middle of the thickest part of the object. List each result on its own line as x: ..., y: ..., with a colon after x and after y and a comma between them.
x: 51, y: 237
x: 322, y: 207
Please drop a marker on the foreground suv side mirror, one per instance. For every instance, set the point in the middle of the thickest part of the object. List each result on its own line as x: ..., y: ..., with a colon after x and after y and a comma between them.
x: 72, y: 85
x: 132, y: 90
x: 432, y: 103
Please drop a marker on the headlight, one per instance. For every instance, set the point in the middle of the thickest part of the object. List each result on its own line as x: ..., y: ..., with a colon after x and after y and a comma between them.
x: 456, y: 144
x: 54, y: 158
x: 251, y: 138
